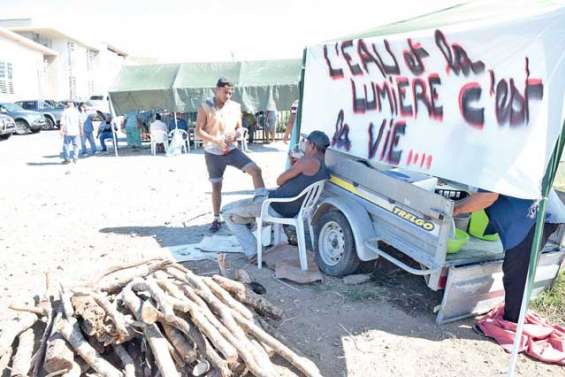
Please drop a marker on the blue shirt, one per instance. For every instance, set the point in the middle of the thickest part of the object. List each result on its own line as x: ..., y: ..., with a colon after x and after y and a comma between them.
x: 513, y: 218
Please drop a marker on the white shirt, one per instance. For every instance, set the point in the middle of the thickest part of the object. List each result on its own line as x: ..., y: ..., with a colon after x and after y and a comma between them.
x: 158, y: 125
x: 71, y: 121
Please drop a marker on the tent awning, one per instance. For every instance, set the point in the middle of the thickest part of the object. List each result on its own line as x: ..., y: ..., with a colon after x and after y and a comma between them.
x: 259, y: 85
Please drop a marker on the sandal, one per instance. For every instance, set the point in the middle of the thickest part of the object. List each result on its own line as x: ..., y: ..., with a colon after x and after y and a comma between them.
x: 215, y: 226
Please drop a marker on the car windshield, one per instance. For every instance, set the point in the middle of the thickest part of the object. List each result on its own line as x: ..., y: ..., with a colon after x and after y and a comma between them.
x: 12, y: 107
x: 46, y: 105
x: 55, y: 104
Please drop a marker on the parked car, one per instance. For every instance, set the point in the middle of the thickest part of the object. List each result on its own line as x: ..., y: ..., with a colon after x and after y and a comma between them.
x: 26, y: 121
x: 7, y: 126
x: 51, y: 112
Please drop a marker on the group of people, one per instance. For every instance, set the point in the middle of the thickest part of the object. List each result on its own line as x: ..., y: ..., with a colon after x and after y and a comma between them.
x: 218, y: 124
x: 77, y: 127
x: 267, y: 119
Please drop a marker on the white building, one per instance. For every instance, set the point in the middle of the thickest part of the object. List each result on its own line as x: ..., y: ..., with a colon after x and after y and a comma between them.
x: 82, y: 69
x: 23, y: 67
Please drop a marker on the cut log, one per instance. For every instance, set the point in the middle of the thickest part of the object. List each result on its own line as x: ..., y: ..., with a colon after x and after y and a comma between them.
x: 5, y: 361
x: 216, y: 360
x: 75, y: 371
x: 250, y: 355
x: 125, y: 266
x: 117, y: 283
x: 37, y: 310
x: 227, y: 298
x: 247, y: 296
x: 164, y: 303
x: 116, y: 317
x: 10, y: 329
x: 183, y: 347
x: 22, y: 359
x: 301, y: 363
x: 58, y: 355
x: 158, y: 344
x: 243, y: 276
x: 71, y: 331
x: 127, y: 362
x: 202, y: 322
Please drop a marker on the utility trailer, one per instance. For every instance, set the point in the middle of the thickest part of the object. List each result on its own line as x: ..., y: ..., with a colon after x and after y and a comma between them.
x: 363, y: 208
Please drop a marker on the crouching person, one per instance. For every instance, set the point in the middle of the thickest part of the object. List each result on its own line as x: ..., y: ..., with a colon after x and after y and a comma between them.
x: 310, y: 168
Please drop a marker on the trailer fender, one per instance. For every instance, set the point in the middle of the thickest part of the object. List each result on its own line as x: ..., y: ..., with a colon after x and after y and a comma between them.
x: 359, y: 221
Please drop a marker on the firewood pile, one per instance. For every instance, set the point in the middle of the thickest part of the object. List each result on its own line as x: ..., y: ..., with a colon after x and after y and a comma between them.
x: 148, y: 319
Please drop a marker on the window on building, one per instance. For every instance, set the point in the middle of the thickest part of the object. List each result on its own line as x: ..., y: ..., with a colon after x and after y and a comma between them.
x: 72, y: 87
x: 6, y: 78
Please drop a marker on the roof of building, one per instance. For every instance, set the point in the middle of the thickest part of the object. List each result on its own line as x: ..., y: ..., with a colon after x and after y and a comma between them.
x: 27, y: 42
x: 53, y: 33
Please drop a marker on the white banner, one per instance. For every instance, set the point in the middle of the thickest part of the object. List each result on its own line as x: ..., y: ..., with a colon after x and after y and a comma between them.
x: 479, y: 104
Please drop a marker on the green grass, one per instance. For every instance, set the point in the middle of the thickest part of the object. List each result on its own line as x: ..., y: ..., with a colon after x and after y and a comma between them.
x: 551, y: 303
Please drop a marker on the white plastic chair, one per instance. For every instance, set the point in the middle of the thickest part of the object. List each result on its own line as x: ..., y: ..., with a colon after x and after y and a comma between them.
x: 158, y: 137
x: 195, y: 139
x: 178, y: 138
x: 311, y: 195
x: 243, y: 139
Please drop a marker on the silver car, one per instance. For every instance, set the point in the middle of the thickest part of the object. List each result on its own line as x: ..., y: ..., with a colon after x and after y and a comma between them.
x: 26, y: 121
x: 7, y: 127
x: 51, y: 113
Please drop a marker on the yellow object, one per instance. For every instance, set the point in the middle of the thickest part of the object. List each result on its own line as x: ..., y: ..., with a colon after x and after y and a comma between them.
x: 478, y: 225
x: 455, y: 244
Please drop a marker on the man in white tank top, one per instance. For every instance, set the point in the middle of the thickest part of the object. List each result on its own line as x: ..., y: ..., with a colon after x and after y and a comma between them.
x: 218, y: 125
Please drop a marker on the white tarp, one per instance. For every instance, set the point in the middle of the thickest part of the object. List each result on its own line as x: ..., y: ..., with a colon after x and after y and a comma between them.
x: 476, y: 103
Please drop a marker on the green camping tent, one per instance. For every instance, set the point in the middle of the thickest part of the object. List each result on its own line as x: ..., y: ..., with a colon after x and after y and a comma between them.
x: 259, y: 85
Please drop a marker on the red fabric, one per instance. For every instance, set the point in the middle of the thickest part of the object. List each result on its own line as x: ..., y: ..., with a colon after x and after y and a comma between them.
x: 540, y: 339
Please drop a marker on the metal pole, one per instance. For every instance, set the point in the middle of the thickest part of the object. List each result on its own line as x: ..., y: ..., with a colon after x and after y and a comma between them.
x: 536, y: 244
x: 295, y: 137
x: 114, y: 137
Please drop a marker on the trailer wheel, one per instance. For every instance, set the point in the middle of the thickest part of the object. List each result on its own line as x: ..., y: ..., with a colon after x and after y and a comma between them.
x: 335, y: 249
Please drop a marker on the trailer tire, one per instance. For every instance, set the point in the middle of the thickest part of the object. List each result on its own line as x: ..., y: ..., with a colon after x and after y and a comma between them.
x: 335, y: 246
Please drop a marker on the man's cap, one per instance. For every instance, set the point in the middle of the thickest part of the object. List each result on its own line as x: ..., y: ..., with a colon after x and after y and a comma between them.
x: 222, y: 82
x: 319, y: 139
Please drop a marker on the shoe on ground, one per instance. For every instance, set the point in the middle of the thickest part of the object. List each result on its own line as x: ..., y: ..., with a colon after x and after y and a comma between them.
x: 215, y: 226
x: 66, y: 162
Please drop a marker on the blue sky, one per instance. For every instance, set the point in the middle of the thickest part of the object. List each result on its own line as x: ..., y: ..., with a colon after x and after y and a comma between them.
x: 207, y: 30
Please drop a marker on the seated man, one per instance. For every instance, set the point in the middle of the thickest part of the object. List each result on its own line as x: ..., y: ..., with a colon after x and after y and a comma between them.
x: 304, y: 172
x: 105, y: 131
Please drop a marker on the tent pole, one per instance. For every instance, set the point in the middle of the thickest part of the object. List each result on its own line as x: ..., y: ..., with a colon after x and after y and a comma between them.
x: 114, y: 137
x: 536, y: 244
x: 295, y: 137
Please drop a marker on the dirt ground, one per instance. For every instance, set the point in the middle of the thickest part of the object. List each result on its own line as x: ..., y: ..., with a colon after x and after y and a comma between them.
x: 76, y: 221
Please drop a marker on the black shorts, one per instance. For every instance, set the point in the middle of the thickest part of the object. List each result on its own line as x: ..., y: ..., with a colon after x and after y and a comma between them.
x: 216, y: 164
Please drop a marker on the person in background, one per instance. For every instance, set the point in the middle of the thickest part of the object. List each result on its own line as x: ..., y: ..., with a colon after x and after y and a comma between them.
x: 310, y: 168
x: 514, y: 220
x: 133, y: 129
x: 87, y: 132
x: 270, y: 125
x: 181, y: 122
x: 217, y: 124
x: 105, y: 131
x: 71, y: 126
x: 248, y: 121
x: 158, y: 126
x: 291, y: 121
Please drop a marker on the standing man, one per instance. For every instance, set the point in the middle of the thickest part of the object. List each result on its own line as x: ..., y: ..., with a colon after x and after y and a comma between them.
x: 291, y: 121
x: 218, y: 124
x: 71, y: 129
x: 270, y: 125
x: 133, y: 129
x: 514, y: 220
x: 87, y: 133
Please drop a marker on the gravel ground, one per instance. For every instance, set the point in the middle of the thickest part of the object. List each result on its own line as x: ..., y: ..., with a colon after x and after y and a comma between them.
x: 77, y: 220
